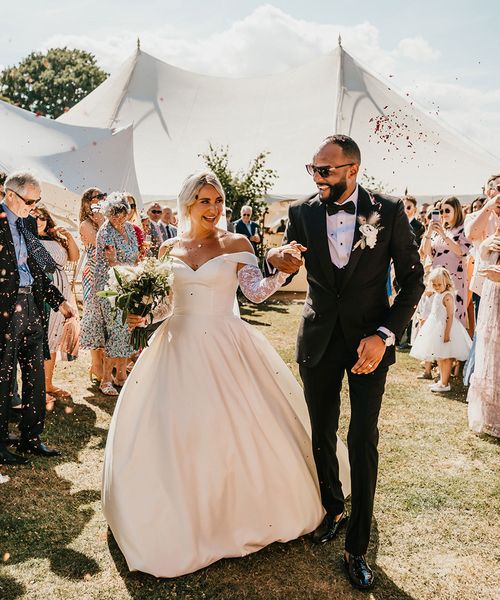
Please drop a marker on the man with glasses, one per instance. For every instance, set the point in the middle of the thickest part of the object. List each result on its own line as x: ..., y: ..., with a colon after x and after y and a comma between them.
x: 154, y: 214
x: 247, y: 227
x: 410, y: 203
x: 24, y: 289
x: 349, y: 237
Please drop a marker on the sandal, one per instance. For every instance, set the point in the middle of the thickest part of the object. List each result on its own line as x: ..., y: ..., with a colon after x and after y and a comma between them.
x: 119, y: 382
x: 93, y: 376
x: 59, y: 393
x: 108, y: 389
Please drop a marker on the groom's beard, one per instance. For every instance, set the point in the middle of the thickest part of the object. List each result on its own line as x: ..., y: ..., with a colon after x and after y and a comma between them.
x: 336, y: 191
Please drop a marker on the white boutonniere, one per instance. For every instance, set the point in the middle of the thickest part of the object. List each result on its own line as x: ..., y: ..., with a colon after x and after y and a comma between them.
x: 369, y: 228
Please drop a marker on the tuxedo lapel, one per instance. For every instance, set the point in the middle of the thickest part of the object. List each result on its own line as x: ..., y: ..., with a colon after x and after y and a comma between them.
x: 364, y: 208
x: 320, y: 238
x: 6, y: 234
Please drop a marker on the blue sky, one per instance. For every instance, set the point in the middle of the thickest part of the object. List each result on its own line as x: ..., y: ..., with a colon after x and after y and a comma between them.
x: 445, y: 52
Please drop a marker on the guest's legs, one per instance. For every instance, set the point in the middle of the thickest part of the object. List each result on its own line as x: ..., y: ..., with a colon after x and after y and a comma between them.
x: 30, y: 355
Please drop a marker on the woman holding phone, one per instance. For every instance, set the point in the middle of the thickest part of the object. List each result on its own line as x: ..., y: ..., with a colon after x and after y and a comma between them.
x: 446, y: 245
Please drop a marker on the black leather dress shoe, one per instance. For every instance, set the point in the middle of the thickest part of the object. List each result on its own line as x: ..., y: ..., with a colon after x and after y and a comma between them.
x: 38, y: 448
x: 329, y: 528
x: 359, y: 571
x: 9, y: 458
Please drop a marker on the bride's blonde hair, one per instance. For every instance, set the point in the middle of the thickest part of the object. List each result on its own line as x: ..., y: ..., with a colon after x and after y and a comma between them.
x: 189, y: 194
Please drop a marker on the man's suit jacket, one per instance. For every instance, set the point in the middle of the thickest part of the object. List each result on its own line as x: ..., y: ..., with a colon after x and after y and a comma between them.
x: 172, y: 231
x: 240, y: 227
x: 43, y: 290
x: 418, y: 230
x: 360, y: 303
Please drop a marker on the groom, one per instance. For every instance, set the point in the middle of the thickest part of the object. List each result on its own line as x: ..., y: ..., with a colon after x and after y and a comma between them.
x: 349, y: 236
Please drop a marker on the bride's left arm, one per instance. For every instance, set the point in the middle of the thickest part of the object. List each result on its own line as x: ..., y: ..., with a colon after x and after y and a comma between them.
x: 256, y: 287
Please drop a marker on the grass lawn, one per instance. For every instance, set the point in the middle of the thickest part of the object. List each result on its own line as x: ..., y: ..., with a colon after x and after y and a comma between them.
x: 435, y: 521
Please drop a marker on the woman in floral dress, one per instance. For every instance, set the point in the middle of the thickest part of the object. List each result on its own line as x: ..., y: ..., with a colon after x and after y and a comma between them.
x: 116, y: 243
x: 447, y: 246
x: 91, y: 326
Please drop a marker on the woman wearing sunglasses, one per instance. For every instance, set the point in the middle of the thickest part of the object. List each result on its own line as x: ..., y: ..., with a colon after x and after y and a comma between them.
x: 91, y: 327
x: 446, y: 245
x: 61, y: 245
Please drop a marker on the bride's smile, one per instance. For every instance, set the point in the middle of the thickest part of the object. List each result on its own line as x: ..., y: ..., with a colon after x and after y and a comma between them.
x: 207, y: 209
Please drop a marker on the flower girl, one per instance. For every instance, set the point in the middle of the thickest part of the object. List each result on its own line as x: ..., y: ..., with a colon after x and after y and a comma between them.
x: 442, y: 336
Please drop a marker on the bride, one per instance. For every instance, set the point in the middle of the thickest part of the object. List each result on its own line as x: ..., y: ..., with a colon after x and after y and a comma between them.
x: 209, y: 450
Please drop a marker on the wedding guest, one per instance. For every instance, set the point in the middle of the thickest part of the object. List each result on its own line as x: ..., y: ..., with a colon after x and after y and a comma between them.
x: 25, y: 288
x: 174, y: 221
x: 446, y: 244
x: 167, y: 229
x: 281, y: 227
x: 91, y: 326
x: 442, y: 337
x: 61, y: 245
x: 116, y: 245
x: 134, y: 219
x: 422, y: 213
x: 154, y: 214
x: 477, y: 204
x: 3, y: 177
x: 421, y: 315
x: 247, y: 227
x: 410, y: 203
x: 479, y: 225
x: 229, y: 219
x: 484, y: 391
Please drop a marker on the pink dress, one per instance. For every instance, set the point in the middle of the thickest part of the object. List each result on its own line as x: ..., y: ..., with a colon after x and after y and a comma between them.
x: 442, y: 256
x: 484, y: 390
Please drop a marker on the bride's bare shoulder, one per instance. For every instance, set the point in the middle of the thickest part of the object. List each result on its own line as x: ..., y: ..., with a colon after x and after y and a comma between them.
x: 235, y: 242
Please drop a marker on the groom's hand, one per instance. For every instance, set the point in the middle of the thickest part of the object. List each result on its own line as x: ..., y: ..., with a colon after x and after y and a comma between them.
x: 370, y: 352
x: 286, y: 258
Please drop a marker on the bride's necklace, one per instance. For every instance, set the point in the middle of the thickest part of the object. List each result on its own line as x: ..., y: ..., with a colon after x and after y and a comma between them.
x: 195, y: 246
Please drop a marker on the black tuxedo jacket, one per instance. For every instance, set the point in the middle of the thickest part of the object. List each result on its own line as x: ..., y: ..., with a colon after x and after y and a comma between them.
x: 361, y: 303
x: 418, y: 230
x: 43, y: 290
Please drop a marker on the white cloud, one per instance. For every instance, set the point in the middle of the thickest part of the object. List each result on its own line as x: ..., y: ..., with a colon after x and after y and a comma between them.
x: 417, y: 49
x: 269, y: 40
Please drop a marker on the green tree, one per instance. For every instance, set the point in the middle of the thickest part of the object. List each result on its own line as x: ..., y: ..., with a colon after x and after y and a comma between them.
x: 375, y: 185
x: 50, y: 83
x: 243, y: 187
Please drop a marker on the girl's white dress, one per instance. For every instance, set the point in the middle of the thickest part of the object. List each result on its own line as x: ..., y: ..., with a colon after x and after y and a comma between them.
x: 429, y: 344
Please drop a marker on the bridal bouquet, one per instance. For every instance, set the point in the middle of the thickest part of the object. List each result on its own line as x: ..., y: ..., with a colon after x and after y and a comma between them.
x: 138, y: 290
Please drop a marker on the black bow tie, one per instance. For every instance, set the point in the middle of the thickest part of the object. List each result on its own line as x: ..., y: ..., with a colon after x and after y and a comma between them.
x: 348, y: 207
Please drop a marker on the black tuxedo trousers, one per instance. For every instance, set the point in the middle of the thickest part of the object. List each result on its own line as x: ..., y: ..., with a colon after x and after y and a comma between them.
x: 24, y: 337
x: 322, y: 386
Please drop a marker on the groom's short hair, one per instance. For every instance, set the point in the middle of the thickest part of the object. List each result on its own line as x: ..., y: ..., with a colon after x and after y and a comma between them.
x: 349, y: 147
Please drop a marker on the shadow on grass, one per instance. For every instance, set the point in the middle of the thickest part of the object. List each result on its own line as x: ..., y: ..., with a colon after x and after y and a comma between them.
x: 10, y: 589
x: 44, y: 523
x: 296, y: 570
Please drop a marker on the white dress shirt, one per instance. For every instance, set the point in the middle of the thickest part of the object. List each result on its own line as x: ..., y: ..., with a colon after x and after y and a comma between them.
x: 340, y: 230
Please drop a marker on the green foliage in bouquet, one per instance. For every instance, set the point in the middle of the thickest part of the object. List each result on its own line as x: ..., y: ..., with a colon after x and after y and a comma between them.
x: 138, y: 290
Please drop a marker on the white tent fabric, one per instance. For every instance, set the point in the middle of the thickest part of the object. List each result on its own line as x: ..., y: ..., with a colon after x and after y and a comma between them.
x: 67, y: 159
x: 177, y: 113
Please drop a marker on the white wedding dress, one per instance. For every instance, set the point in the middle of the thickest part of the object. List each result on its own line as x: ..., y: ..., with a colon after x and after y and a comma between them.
x: 209, y: 451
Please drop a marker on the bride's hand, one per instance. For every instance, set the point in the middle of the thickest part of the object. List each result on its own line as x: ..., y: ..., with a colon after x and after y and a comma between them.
x: 134, y: 321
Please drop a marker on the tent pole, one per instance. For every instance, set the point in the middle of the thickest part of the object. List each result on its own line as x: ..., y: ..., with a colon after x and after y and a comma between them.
x: 340, y: 89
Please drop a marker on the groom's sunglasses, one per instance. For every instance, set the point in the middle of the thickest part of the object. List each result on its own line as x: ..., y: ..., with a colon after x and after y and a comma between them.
x: 324, y: 171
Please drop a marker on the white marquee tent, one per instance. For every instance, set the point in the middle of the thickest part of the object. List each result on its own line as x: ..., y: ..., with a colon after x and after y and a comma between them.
x: 67, y: 158
x: 176, y: 114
